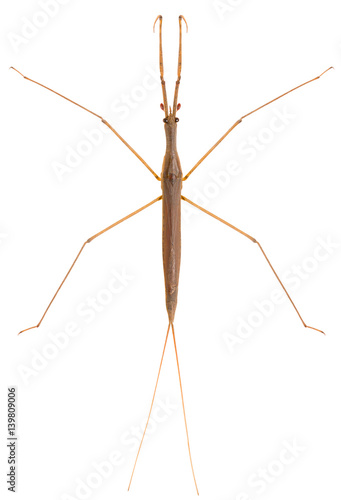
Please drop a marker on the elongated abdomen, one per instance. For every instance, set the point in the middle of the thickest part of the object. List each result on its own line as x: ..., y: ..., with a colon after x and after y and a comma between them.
x: 171, y: 233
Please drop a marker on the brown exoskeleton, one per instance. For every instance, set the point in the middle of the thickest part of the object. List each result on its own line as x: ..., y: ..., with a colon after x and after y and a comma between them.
x: 171, y: 184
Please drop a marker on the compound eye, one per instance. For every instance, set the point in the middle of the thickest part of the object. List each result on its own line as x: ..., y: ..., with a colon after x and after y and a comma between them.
x: 176, y: 119
x: 165, y: 120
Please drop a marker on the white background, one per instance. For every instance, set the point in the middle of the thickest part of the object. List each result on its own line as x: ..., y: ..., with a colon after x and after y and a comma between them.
x: 245, y: 397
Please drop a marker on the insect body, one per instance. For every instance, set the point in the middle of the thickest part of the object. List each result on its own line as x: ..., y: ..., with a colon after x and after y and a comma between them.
x: 171, y: 184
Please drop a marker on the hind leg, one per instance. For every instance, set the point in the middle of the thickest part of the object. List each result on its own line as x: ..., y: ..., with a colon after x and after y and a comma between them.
x: 80, y: 251
x: 251, y: 238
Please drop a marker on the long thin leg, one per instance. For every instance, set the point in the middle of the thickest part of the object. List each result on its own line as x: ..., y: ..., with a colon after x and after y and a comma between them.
x: 151, y: 407
x: 183, y: 408
x: 163, y: 83
x: 245, y: 116
x: 254, y: 241
x: 80, y: 251
x: 177, y: 84
x: 98, y: 116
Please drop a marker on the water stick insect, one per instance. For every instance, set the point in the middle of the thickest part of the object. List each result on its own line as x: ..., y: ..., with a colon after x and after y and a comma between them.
x: 172, y: 180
